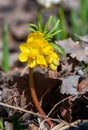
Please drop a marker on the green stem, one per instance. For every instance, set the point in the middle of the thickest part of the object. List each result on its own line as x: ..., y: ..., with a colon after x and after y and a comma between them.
x: 34, y: 97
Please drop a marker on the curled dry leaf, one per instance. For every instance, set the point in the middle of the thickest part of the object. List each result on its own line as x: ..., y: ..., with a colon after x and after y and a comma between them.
x: 83, y: 84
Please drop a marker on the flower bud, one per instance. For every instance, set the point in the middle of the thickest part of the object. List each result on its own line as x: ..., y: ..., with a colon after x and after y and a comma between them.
x: 53, y: 67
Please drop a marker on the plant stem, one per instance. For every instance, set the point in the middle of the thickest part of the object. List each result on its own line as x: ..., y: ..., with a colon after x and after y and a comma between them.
x: 35, y: 99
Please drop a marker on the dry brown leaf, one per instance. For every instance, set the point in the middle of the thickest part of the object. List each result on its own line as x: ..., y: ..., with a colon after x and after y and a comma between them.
x: 83, y: 84
x: 75, y: 49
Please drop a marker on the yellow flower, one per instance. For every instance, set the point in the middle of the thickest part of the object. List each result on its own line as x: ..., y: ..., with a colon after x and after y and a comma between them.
x: 53, y: 60
x: 23, y: 57
x: 38, y: 52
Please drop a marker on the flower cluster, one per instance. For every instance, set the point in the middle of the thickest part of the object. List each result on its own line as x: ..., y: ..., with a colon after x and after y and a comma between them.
x: 38, y: 52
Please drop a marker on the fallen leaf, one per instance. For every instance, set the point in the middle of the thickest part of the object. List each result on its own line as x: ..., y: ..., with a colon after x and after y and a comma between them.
x: 69, y: 85
x: 75, y: 49
x: 83, y: 38
x: 83, y: 84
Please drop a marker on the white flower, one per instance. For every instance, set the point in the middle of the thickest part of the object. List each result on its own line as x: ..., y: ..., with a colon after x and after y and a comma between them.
x: 48, y: 3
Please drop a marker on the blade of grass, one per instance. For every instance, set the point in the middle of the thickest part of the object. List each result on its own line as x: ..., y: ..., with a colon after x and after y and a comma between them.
x: 84, y: 16
x: 5, y: 62
x: 74, y: 19
x: 1, y: 124
x: 63, y: 23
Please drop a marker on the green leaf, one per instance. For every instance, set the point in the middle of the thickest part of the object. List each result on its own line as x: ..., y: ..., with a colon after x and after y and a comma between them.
x: 53, y: 34
x: 58, y: 48
x: 31, y: 29
x: 47, y: 25
x: 39, y: 27
x: 33, y: 26
x: 54, y: 28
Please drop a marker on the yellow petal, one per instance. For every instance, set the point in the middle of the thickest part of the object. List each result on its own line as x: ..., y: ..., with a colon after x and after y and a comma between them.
x: 54, y: 55
x: 33, y: 53
x: 23, y: 57
x: 32, y: 63
x: 41, y: 61
x: 24, y: 48
x: 49, y: 59
x: 38, y: 35
x: 30, y: 39
x: 47, y: 50
x: 35, y: 36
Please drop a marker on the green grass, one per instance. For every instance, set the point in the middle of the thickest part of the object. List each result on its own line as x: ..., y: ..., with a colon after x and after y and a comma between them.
x: 79, y: 20
x: 5, y: 60
x: 1, y: 125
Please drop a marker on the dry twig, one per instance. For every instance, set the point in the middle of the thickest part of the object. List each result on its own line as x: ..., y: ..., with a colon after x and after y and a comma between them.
x: 58, y: 104
x: 66, y: 126
x: 27, y: 111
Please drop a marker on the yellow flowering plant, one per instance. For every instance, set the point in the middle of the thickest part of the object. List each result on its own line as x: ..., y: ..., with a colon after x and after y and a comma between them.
x: 38, y: 50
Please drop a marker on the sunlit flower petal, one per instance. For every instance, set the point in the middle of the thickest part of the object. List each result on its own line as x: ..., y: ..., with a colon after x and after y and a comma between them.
x: 33, y: 53
x: 23, y: 57
x: 41, y: 61
x: 34, y: 36
x: 48, y: 50
x: 32, y: 63
x: 24, y: 48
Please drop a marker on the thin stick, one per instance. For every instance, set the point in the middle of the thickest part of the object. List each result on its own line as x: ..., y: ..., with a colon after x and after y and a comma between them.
x: 66, y: 126
x: 85, y: 97
x: 20, y: 109
x: 80, y: 93
x: 58, y: 104
x: 27, y: 111
x: 26, y: 67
